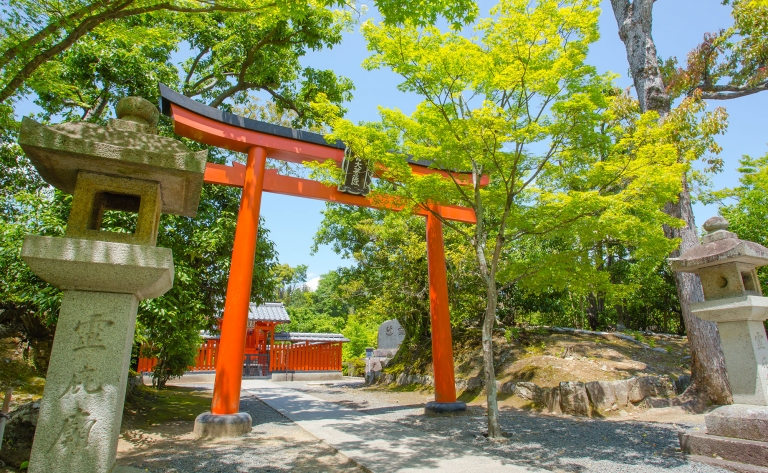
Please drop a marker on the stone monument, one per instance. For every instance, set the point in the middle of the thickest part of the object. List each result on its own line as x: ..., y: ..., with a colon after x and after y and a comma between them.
x: 737, y: 434
x: 391, y: 335
x: 123, y: 167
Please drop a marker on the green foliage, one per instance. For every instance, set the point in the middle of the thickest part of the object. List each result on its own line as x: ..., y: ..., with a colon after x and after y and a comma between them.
x: 729, y: 63
x: 747, y: 215
x: 79, y: 55
x: 28, y: 305
x: 389, y: 278
x: 577, y: 175
x: 202, y: 249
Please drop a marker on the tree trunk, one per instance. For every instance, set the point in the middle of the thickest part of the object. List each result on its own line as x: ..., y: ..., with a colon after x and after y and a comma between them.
x: 494, y: 428
x: 708, y: 373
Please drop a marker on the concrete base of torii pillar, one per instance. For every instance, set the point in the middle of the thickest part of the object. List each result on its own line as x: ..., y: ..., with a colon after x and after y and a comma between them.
x: 82, y: 405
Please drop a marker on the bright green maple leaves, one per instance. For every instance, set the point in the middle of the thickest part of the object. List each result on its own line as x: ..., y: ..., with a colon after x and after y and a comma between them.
x: 567, y: 155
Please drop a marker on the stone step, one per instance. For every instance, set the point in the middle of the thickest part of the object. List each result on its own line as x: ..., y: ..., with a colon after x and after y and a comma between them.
x: 727, y: 465
x: 750, y: 452
x: 739, y: 421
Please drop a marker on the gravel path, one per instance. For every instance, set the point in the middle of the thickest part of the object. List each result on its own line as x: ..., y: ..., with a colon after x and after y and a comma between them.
x: 557, y: 443
x: 274, y: 445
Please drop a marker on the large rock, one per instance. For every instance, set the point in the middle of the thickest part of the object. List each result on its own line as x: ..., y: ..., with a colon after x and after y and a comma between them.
x: 602, y: 394
x: 475, y: 383
x: 635, y: 392
x: 550, y: 399
x: 574, y: 399
x: 507, y: 388
x: 621, y: 391
x: 527, y: 391
x: 655, y: 386
x: 19, y: 432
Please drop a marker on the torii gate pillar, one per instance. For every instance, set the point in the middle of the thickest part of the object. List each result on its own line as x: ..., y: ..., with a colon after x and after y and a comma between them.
x: 442, y: 344
x: 225, y: 420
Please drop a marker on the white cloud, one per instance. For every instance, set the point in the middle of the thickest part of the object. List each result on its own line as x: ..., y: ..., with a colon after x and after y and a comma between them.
x: 312, y: 283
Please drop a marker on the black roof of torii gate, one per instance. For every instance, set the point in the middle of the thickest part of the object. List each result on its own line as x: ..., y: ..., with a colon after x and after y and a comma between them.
x: 169, y: 96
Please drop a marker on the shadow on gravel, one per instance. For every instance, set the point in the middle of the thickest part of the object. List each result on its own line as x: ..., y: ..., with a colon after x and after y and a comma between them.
x: 568, y: 444
x: 274, y: 445
x: 252, y: 453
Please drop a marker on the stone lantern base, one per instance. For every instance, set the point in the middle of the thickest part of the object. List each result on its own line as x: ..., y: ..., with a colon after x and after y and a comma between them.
x: 82, y: 404
x: 736, y: 438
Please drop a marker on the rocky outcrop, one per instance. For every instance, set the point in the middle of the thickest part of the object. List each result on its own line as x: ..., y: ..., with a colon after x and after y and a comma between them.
x: 570, y: 397
x: 19, y: 432
x: 574, y: 399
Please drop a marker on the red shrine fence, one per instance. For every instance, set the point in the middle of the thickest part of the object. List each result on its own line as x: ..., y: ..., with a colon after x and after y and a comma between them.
x: 304, y: 356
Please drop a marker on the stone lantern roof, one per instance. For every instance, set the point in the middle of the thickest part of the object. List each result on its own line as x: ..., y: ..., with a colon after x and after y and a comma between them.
x: 725, y: 264
x: 127, y: 147
x: 720, y: 246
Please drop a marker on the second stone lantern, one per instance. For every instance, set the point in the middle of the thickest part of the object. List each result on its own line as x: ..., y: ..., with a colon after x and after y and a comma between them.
x: 734, y: 300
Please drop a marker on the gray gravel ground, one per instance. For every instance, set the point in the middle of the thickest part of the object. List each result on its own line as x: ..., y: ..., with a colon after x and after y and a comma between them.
x: 557, y: 443
x: 275, y: 445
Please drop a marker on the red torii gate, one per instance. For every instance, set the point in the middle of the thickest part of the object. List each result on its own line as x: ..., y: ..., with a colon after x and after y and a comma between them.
x: 258, y: 139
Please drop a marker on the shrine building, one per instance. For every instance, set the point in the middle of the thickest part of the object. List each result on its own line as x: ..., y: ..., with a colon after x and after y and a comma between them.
x: 269, y: 354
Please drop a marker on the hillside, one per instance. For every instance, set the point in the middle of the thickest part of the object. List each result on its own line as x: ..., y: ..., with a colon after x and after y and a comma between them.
x: 565, y: 370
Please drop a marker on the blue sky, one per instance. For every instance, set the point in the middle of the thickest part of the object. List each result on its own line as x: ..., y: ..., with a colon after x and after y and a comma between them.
x: 679, y: 25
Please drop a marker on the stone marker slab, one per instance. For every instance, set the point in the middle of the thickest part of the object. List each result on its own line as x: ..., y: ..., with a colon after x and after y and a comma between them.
x: 82, y: 403
x: 391, y: 335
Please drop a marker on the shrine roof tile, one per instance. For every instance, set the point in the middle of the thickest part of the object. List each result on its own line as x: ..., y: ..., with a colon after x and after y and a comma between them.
x: 309, y: 337
x: 268, y: 312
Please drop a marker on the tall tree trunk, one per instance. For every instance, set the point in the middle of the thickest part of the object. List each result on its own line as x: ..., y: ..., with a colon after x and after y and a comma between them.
x: 708, y: 373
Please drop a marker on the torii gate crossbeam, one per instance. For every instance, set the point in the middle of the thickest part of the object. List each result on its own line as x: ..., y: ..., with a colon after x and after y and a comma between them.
x: 261, y: 140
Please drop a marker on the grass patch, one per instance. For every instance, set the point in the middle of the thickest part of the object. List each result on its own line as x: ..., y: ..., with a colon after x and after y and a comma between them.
x: 18, y: 373
x: 146, y: 406
x: 408, y: 388
x: 469, y: 396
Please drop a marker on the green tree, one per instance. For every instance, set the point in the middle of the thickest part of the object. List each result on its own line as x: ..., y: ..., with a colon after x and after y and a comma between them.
x: 728, y: 64
x: 749, y: 210
x: 247, y: 41
x: 202, y: 251
x: 289, y: 280
x: 566, y: 157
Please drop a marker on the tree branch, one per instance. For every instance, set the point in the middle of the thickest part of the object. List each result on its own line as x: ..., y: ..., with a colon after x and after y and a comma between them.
x: 194, y: 66
x: 726, y: 92
x: 88, y: 25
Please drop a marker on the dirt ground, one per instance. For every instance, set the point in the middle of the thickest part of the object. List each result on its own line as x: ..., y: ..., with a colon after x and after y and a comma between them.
x: 546, y: 358
x: 161, y: 440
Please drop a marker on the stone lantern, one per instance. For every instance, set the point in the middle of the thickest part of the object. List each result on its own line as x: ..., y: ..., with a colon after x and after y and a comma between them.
x: 734, y: 299
x: 128, y: 170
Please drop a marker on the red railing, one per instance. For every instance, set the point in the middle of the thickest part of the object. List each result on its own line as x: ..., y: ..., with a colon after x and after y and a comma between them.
x: 305, y: 357
x: 204, y: 361
x: 298, y: 357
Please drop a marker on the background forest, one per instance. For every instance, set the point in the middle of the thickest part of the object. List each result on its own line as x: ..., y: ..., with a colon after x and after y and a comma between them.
x: 75, y: 59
